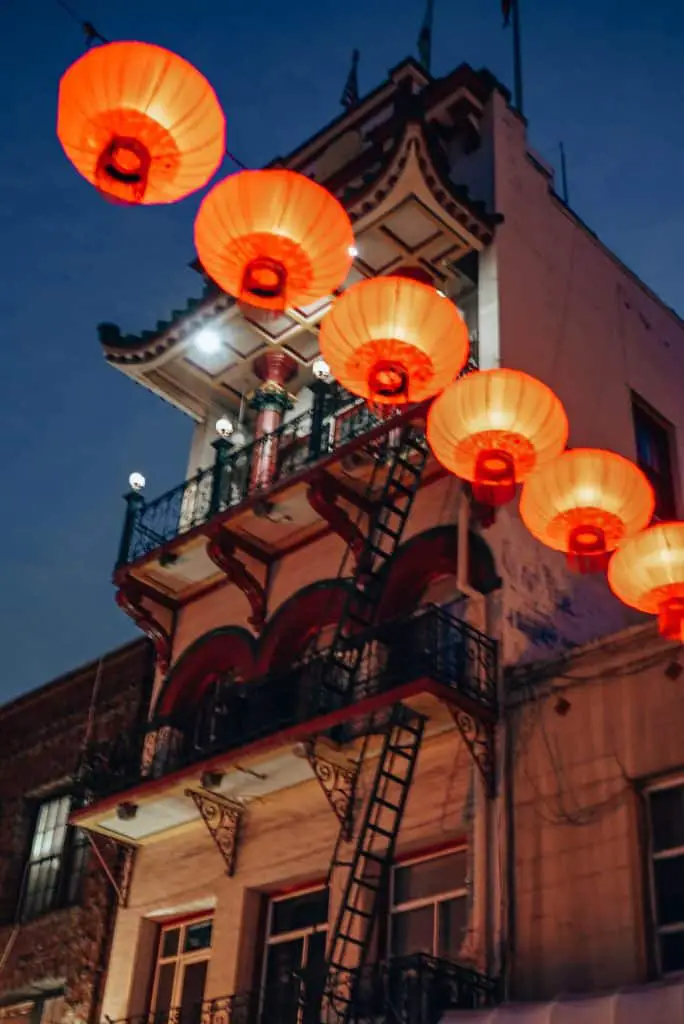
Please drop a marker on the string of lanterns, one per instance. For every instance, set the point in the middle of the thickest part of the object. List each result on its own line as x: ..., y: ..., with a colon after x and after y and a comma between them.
x: 144, y: 126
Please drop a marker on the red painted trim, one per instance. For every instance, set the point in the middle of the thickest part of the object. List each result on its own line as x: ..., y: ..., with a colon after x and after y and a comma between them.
x: 287, y: 736
x: 292, y: 890
x: 183, y: 919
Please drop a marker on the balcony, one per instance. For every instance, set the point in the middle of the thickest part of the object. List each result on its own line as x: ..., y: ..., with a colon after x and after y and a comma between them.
x: 338, y: 441
x: 433, y: 659
x: 415, y: 989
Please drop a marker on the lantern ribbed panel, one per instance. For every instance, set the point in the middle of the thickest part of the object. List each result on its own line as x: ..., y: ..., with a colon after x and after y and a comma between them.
x: 138, y: 91
x: 399, y: 321
x: 503, y: 410
x: 586, y: 487
x: 648, y: 569
x: 279, y: 216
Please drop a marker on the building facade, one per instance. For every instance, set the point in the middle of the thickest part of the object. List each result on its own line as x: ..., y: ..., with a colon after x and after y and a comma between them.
x: 57, y: 904
x: 331, y: 803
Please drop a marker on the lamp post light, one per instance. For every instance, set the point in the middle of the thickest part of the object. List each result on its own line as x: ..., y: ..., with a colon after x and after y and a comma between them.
x: 320, y: 387
x: 134, y: 504
x: 223, y: 446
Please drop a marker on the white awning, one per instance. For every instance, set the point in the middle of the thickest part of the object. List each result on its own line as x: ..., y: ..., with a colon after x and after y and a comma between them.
x: 660, y: 1003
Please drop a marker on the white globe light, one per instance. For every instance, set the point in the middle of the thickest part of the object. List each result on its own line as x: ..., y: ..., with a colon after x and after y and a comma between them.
x: 353, y: 251
x: 224, y: 427
x: 207, y: 340
x: 320, y: 369
x: 136, y: 481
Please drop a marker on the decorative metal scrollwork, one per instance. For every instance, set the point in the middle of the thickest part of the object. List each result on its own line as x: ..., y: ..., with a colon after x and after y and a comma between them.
x: 478, y: 736
x: 222, y: 818
x: 338, y: 784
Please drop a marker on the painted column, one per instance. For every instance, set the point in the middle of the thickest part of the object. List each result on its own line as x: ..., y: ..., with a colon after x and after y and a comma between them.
x: 275, y: 368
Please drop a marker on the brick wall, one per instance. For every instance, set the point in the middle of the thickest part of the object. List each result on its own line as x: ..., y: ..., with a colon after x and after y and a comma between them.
x: 42, y: 735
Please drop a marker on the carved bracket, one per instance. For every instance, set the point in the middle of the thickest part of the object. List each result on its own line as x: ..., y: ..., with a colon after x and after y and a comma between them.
x: 129, y: 598
x: 323, y: 496
x: 478, y: 737
x: 339, y: 788
x: 221, y: 549
x: 122, y: 884
x: 222, y: 818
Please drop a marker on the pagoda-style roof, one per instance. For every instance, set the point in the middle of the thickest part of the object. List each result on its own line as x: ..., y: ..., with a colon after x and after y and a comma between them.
x: 387, y: 162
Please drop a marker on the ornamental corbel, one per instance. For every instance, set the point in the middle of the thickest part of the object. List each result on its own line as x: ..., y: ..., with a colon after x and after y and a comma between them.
x: 222, y: 551
x: 339, y: 787
x: 323, y: 496
x: 129, y: 598
x: 222, y: 819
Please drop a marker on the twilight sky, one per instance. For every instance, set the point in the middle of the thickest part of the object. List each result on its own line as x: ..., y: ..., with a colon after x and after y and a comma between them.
x: 606, y: 76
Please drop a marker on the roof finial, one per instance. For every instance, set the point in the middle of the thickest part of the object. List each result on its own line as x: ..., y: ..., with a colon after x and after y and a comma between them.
x: 350, y: 96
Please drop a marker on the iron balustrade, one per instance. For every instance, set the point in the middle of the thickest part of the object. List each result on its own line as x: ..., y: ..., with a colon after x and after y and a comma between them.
x: 432, y: 644
x: 414, y: 989
x: 290, y: 448
x: 336, y: 420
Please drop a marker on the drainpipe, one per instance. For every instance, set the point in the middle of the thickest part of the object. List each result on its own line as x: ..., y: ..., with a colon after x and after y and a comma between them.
x: 271, y: 400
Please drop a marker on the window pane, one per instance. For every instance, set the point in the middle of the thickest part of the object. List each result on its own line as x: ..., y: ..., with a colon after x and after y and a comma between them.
x: 165, y: 977
x: 667, y: 818
x: 169, y: 944
x: 669, y: 884
x: 197, y: 936
x: 452, y: 915
x: 192, y: 992
x: 430, y: 877
x: 297, y: 912
x: 413, y: 931
x: 672, y: 952
x: 76, y: 869
x: 281, y: 991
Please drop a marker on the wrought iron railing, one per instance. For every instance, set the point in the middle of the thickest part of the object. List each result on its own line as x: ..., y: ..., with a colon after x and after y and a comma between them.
x: 315, y: 434
x: 299, y: 442
x: 432, y: 644
x: 415, y: 989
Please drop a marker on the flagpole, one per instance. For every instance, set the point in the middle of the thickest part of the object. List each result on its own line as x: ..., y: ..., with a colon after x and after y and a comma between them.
x: 517, y: 57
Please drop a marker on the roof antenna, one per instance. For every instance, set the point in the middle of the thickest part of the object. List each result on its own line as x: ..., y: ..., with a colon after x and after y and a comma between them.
x: 350, y: 96
x: 564, y: 176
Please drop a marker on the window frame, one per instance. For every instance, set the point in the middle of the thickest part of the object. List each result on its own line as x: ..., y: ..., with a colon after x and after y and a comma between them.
x: 298, y: 933
x: 654, y: 786
x: 640, y: 407
x: 179, y: 959
x: 72, y: 862
x: 422, y: 901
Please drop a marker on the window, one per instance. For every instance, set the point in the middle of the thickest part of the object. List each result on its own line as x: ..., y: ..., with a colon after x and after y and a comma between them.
x: 56, y: 860
x: 428, y: 907
x: 666, y: 813
x: 296, y: 935
x: 653, y: 437
x: 181, y: 970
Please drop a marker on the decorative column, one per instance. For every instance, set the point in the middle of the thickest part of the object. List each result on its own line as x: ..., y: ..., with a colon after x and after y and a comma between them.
x: 275, y: 368
x: 223, y: 447
x: 134, y: 503
x: 320, y: 388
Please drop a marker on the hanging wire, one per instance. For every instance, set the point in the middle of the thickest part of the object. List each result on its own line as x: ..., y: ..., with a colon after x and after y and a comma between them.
x: 90, y: 32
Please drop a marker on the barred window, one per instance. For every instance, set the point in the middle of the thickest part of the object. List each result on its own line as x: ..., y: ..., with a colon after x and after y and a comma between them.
x: 56, y: 861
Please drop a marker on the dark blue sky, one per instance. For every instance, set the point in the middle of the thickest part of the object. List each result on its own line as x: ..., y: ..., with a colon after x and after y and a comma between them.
x: 603, y: 75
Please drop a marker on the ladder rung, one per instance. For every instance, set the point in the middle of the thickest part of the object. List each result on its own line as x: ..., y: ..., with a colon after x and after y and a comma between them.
x: 350, y: 938
x: 381, y: 831
x: 393, y: 778
x: 385, y: 803
x: 386, y: 530
x: 402, y: 752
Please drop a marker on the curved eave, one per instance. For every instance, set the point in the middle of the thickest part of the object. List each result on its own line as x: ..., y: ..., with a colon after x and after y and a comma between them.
x: 363, y: 197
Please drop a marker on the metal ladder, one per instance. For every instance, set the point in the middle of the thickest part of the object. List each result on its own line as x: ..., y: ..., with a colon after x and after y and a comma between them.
x: 384, y: 536
x: 370, y: 864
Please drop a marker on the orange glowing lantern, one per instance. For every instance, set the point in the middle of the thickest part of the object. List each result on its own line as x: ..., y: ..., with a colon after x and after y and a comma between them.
x: 494, y: 428
x: 140, y: 123
x: 274, y: 239
x: 585, y: 503
x: 394, y: 340
x: 647, y: 573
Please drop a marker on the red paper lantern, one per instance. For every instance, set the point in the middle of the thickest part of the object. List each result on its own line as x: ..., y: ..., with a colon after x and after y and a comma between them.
x: 274, y: 239
x: 647, y: 573
x: 494, y: 428
x: 394, y: 340
x: 140, y: 123
x: 585, y: 503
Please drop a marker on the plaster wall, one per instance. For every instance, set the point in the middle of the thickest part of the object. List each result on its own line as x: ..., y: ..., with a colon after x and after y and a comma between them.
x: 286, y: 841
x: 582, y: 899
